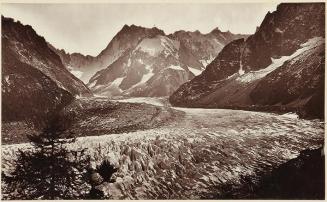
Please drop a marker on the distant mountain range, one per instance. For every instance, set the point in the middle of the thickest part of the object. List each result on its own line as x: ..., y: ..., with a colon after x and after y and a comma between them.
x: 279, y: 68
x: 145, y: 62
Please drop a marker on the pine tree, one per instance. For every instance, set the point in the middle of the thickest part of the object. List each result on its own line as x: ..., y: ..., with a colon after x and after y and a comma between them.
x: 49, y: 170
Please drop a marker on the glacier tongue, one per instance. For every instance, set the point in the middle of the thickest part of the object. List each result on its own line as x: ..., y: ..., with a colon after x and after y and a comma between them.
x: 194, y: 155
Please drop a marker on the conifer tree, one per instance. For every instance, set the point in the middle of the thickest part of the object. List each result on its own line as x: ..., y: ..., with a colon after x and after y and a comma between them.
x: 49, y: 170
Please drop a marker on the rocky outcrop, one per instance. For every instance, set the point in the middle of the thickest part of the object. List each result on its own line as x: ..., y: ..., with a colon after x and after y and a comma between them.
x: 287, y: 51
x: 300, y: 178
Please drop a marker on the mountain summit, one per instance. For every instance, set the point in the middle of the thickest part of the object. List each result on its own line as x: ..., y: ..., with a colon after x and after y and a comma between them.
x: 155, y: 64
x: 84, y: 67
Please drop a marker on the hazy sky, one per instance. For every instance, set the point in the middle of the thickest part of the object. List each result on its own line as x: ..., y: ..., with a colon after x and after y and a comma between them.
x: 88, y: 28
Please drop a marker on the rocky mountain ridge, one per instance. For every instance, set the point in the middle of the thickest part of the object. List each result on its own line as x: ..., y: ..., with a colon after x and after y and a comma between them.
x: 34, y: 81
x: 86, y: 66
x: 285, y: 54
x: 158, y: 64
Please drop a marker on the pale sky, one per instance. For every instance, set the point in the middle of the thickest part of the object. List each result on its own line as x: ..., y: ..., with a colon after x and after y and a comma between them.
x: 88, y: 28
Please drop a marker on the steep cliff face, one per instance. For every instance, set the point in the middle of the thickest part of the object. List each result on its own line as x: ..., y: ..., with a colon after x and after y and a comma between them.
x: 34, y: 81
x: 271, y: 70
x: 282, y: 32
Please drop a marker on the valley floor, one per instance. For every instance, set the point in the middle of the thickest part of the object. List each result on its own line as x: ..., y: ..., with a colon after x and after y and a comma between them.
x: 191, y: 156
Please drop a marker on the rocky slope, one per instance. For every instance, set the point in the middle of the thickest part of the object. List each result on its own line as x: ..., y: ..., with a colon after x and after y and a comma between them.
x: 270, y: 70
x: 157, y: 65
x: 34, y: 81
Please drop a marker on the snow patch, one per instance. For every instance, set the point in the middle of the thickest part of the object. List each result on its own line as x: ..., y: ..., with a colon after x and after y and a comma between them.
x: 159, y: 44
x: 151, y: 46
x: 218, y: 42
x: 222, y: 36
x: 171, y: 47
x: 175, y: 67
x: 233, y: 75
x: 206, y: 62
x: 91, y: 85
x: 7, y: 79
x: 145, y: 77
x: 241, y: 71
x: 112, y: 85
x: 196, y: 72
x: 77, y: 73
x: 254, y: 75
x: 117, y: 81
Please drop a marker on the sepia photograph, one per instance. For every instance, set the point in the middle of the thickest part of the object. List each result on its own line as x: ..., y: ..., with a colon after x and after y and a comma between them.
x: 177, y: 100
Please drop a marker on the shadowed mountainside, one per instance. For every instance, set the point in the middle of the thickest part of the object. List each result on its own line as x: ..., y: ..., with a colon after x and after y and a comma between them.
x: 279, y: 68
x: 34, y: 81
